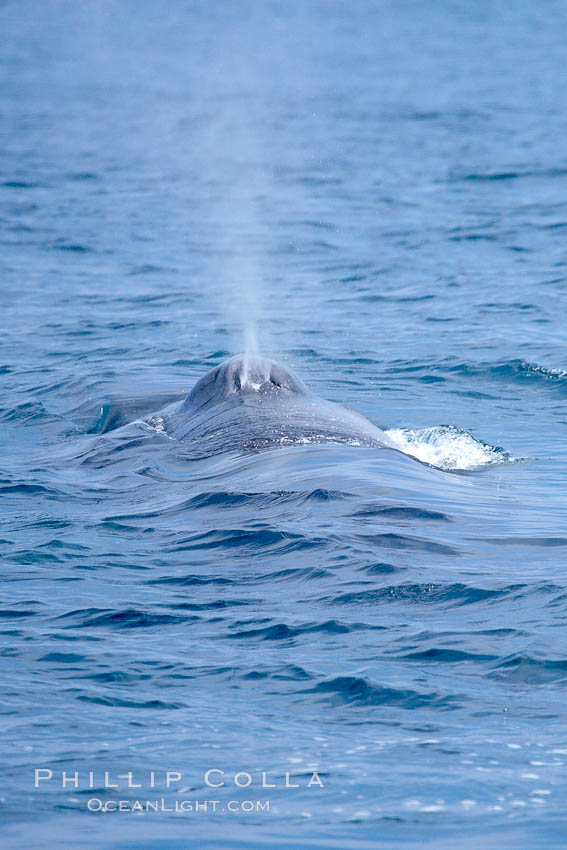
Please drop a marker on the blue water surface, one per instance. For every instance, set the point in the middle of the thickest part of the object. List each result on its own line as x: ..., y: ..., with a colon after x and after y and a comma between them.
x: 378, y: 192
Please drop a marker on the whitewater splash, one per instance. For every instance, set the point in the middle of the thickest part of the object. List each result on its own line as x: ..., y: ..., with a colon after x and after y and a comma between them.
x: 448, y: 447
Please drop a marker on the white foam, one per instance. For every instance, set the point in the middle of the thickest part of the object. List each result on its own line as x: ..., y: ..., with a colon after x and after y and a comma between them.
x: 157, y: 424
x: 447, y: 447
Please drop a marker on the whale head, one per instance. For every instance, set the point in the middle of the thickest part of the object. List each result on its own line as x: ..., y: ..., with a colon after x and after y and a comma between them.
x: 244, y: 376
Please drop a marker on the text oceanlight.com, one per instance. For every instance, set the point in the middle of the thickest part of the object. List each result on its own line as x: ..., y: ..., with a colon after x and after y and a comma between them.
x: 95, y: 804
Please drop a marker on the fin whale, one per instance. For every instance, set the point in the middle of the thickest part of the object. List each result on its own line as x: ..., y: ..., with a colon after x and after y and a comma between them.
x: 247, y: 403
x: 251, y: 402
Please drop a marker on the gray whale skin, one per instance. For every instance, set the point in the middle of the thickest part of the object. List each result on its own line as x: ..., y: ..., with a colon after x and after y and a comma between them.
x: 251, y: 403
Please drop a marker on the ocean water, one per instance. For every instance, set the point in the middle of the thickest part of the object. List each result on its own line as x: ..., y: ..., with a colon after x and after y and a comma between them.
x: 377, y: 193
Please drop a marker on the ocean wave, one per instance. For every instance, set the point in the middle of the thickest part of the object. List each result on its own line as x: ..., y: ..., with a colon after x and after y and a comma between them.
x: 453, y: 594
x: 358, y: 690
x: 448, y: 447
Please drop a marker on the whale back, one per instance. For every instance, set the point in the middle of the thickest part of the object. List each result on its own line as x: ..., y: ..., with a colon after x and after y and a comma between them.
x: 252, y: 403
x: 246, y: 403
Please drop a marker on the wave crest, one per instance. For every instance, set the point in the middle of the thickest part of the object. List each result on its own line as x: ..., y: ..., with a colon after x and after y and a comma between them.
x: 448, y: 447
